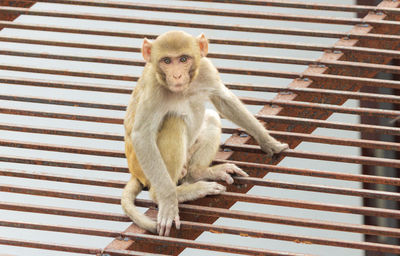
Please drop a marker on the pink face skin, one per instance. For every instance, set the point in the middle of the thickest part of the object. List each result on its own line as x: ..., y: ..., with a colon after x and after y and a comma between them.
x: 177, y: 71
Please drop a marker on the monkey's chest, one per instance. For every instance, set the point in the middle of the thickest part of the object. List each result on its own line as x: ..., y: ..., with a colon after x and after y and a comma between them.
x: 192, y: 114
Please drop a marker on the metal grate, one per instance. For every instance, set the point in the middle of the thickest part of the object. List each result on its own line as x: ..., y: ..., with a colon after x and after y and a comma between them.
x: 62, y: 145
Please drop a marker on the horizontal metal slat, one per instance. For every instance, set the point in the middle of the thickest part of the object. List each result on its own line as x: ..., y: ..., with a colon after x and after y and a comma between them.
x: 328, y: 124
x: 262, y: 88
x: 271, y: 44
x: 68, y: 248
x: 241, y: 148
x: 241, y: 180
x: 368, y: 211
x: 279, y: 134
x: 319, y: 156
x: 222, y: 12
x: 252, y: 101
x: 314, y: 173
x: 282, y: 60
x: 278, y: 74
x: 211, y: 228
x: 308, y: 5
x: 270, y: 168
x: 155, y: 239
x: 284, y: 119
x: 283, y: 31
x: 210, y: 211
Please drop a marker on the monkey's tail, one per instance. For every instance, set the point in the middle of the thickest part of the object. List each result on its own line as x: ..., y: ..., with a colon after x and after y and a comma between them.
x: 131, y: 190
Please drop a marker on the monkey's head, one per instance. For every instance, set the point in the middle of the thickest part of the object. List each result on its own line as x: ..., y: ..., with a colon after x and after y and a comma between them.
x: 175, y: 56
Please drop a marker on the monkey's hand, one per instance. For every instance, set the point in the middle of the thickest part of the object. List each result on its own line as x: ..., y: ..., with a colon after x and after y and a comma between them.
x: 167, y: 213
x: 271, y: 146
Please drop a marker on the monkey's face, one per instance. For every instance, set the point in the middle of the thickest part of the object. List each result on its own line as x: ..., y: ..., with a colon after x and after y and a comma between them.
x: 176, y: 72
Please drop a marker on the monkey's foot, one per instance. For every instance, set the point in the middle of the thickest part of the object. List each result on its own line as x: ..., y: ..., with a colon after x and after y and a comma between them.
x: 224, y: 172
x: 273, y: 147
x: 200, y: 189
x: 278, y: 148
x: 209, y: 188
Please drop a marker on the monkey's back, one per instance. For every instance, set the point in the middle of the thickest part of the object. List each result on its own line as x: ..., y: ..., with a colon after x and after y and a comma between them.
x: 133, y: 163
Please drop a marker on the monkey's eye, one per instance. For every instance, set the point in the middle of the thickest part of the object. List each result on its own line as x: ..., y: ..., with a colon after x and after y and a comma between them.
x: 166, y: 60
x: 183, y: 58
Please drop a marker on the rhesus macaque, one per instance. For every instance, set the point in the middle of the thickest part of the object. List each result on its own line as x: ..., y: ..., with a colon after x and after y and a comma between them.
x: 170, y: 138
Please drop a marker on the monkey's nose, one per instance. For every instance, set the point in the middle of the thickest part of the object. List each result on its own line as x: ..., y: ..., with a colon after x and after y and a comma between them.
x: 178, y: 76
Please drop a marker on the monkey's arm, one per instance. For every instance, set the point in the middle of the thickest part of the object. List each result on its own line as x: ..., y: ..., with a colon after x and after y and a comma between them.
x: 144, y: 136
x: 232, y: 108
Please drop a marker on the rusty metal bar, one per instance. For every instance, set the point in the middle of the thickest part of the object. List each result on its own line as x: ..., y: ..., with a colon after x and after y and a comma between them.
x: 308, y: 5
x: 320, y: 92
x: 285, y: 237
x: 67, y: 85
x: 319, y: 188
x: 207, y: 210
x: 313, y: 173
x: 284, y: 31
x: 59, y: 228
x: 278, y: 134
x: 63, y: 212
x: 198, y: 10
x: 204, y: 245
x: 279, y: 74
x: 307, y: 122
x: 285, y: 45
x: 61, y: 132
x: 69, y: 73
x: 249, y: 167
x: 239, y: 148
x: 210, y: 211
x: 240, y: 197
x: 64, y: 149
x: 241, y: 180
x: 338, y: 141
x: 319, y: 156
x: 361, y: 81
x: 49, y: 246
x: 210, y: 228
x: 252, y: 101
x: 326, y: 107
x: 305, y: 137
x: 68, y: 248
x: 66, y: 164
x: 237, y: 86
x: 282, y: 60
x: 219, y: 212
x: 245, y: 165
x: 53, y: 101
x: 62, y: 178
x: 310, y: 122
x: 68, y: 116
x: 222, y: 12
x: 155, y: 239
x: 368, y: 211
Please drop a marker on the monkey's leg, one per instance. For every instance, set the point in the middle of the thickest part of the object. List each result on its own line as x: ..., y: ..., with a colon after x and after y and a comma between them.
x: 204, y: 152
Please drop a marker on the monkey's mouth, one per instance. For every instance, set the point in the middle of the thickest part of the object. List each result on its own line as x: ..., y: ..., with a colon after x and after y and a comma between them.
x: 178, y: 87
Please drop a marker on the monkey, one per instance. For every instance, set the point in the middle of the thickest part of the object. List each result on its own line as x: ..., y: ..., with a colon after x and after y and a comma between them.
x: 171, y: 138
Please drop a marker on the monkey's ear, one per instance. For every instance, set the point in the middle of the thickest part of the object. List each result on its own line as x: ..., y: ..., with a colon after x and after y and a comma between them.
x: 146, y: 50
x: 203, y: 44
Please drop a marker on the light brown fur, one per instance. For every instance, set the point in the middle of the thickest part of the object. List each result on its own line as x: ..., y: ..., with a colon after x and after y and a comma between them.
x: 170, y: 138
